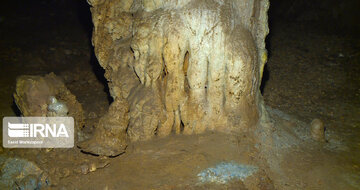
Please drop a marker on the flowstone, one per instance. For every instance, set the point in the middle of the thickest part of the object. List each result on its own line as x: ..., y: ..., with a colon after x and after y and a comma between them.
x: 183, y: 66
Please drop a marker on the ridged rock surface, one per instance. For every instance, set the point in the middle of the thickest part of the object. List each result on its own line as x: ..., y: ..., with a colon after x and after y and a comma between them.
x: 183, y: 66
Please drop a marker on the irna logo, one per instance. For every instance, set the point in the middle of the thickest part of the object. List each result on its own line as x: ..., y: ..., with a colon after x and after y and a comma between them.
x: 36, y: 130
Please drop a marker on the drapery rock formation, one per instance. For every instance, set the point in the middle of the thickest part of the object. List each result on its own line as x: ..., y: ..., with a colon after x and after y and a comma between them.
x: 183, y: 66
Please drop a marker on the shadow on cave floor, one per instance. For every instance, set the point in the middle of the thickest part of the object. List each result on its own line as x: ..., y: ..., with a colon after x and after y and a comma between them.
x: 310, y: 74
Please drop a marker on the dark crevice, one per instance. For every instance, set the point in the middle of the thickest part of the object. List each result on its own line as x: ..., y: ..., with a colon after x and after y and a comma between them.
x: 116, y: 155
x: 164, y: 71
x: 15, y: 109
x: 89, y: 153
x: 100, y: 75
x: 186, y: 63
x: 156, y: 130
x: 182, y: 126
x: 185, y: 70
x: 207, y: 79
x: 96, y: 155
x: 131, y: 49
x: 265, y: 78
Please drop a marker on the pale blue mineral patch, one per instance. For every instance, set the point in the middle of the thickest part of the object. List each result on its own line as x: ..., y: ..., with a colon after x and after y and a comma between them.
x: 18, y: 173
x: 226, y: 171
x: 57, y: 108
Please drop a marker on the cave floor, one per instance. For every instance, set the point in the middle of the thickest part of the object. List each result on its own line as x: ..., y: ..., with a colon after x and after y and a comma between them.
x: 311, y: 73
x: 315, y: 73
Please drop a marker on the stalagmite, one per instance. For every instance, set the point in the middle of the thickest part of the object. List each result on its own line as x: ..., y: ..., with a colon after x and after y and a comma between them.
x: 183, y: 66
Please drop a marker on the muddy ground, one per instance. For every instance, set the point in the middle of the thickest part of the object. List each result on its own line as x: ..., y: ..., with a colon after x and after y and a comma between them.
x: 312, y: 72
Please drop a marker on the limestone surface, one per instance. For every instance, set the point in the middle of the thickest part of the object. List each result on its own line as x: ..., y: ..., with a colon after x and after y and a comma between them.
x: 110, y: 135
x: 183, y: 66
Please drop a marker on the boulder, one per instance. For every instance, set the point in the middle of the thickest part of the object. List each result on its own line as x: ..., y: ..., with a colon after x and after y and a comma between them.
x: 41, y: 96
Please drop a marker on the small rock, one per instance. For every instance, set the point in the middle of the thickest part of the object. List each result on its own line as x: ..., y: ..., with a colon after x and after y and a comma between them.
x: 19, y: 173
x: 92, y: 167
x: 92, y: 115
x: 317, y: 130
x: 28, y: 182
x: 65, y: 172
x: 57, y: 108
x: 84, y: 169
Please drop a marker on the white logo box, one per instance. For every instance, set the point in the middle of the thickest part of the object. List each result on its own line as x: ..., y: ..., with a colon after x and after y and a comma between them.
x: 38, y: 132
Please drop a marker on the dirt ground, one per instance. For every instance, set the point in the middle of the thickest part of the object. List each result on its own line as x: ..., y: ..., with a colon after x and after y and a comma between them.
x: 312, y: 72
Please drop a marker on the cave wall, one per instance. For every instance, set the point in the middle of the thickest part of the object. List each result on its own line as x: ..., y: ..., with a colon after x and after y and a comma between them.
x: 183, y: 66
x: 341, y: 15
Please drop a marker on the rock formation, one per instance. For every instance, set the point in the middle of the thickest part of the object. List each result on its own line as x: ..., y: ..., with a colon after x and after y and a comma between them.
x: 18, y: 173
x: 41, y: 96
x: 317, y: 130
x: 110, y: 131
x: 182, y: 66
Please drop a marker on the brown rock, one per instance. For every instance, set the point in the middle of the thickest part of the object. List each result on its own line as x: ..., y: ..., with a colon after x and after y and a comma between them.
x: 109, y: 138
x: 317, y: 130
x: 33, y: 93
